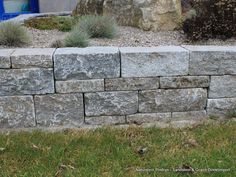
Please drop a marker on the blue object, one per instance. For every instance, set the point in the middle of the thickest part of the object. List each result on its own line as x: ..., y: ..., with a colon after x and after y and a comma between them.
x: 31, y: 7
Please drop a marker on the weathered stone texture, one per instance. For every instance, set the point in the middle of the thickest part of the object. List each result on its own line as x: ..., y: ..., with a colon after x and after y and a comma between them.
x: 94, y: 85
x: 105, y: 120
x: 5, y: 58
x: 132, y: 83
x: 26, y: 81
x: 59, y: 110
x: 191, y: 115
x: 184, y: 82
x: 222, y: 86
x: 111, y: 103
x: 87, y: 63
x: 212, y: 60
x: 177, y: 100
x: 17, y: 112
x: 220, y: 106
x: 35, y: 57
x: 148, y: 118
x: 154, y: 61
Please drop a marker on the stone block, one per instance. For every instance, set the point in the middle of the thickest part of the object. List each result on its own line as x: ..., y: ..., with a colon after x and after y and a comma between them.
x: 73, y: 86
x: 154, y: 61
x: 5, y: 61
x: 105, y: 120
x: 32, y: 57
x: 86, y: 63
x: 59, y: 110
x: 172, y: 100
x: 111, y: 103
x: 148, y: 118
x: 222, y: 86
x: 184, y: 82
x: 26, y: 81
x: 17, y: 112
x: 132, y: 83
x: 191, y: 115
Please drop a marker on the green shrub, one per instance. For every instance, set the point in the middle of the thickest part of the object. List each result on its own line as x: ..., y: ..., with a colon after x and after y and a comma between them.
x: 57, y: 44
x: 98, y: 26
x: 65, y: 23
x: 77, y: 38
x: 213, y: 19
x: 13, y: 34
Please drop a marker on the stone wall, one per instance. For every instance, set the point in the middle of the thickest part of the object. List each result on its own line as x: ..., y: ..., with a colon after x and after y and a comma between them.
x: 108, y: 85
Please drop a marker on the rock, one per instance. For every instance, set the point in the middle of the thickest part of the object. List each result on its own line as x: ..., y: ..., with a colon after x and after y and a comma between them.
x: 148, y: 118
x: 222, y: 86
x: 73, y: 86
x: 59, y: 110
x: 132, y: 83
x: 176, y: 100
x: 26, y: 81
x: 35, y: 57
x: 154, y: 61
x: 105, y: 120
x: 17, y: 112
x: 191, y: 115
x: 146, y: 14
x: 5, y: 58
x: 212, y: 60
x: 86, y: 63
x: 111, y: 103
x: 220, y: 107
x: 184, y: 82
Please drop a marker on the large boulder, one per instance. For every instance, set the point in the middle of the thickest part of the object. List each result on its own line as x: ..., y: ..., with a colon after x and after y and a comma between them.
x: 146, y: 14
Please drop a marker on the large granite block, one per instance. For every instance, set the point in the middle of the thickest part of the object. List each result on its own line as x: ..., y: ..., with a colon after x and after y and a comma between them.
x: 154, y: 61
x: 212, y: 60
x: 111, y: 103
x: 59, y: 110
x: 86, y: 63
x: 17, y: 112
x: 221, y: 107
x: 5, y: 61
x: 173, y: 100
x: 73, y: 86
x: 184, y: 82
x: 222, y: 86
x: 132, y: 83
x: 35, y: 57
x: 26, y: 81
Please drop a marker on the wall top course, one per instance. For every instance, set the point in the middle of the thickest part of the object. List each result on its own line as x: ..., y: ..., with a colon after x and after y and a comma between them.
x: 152, y: 49
x: 209, y: 48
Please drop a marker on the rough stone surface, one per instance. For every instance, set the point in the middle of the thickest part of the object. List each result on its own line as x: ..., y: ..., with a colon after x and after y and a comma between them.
x: 145, y: 14
x: 87, y: 63
x: 185, y: 82
x: 35, y: 57
x: 148, y: 118
x: 132, y: 84
x: 26, y: 81
x: 59, y: 110
x: 192, y: 115
x: 220, y: 106
x: 111, y: 103
x: 212, y: 60
x: 154, y: 61
x: 105, y: 120
x: 222, y: 86
x: 177, y: 100
x: 17, y: 112
x: 5, y: 58
x: 94, y: 85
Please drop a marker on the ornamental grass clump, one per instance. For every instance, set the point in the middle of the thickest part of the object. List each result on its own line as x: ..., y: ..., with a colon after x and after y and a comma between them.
x: 13, y: 35
x: 98, y: 26
x: 211, y: 19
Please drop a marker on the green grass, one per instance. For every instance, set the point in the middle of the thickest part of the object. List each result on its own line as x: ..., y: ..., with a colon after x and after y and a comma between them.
x: 113, y: 152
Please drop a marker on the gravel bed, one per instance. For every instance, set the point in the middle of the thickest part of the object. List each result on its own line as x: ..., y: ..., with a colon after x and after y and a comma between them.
x: 128, y: 36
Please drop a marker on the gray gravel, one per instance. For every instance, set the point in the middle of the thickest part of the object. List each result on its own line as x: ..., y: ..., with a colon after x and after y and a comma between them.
x: 128, y: 36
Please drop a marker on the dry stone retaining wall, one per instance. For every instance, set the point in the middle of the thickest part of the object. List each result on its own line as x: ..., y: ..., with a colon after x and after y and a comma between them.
x: 109, y: 85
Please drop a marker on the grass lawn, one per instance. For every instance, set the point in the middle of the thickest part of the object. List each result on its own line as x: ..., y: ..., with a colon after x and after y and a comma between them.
x: 116, y: 152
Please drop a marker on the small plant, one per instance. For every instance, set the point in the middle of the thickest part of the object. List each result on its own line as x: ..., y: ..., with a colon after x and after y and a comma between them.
x: 13, y: 34
x: 65, y: 24
x: 211, y: 19
x: 57, y: 44
x: 77, y: 38
x: 98, y: 26
x: 231, y: 114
